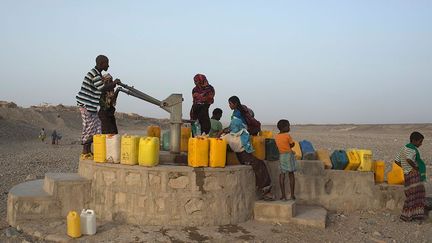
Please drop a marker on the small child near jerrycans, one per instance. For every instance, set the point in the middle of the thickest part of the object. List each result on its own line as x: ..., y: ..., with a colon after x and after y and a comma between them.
x: 287, y: 160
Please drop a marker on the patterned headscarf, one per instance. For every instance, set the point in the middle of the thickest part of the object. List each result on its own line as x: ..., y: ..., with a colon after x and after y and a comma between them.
x: 200, y: 79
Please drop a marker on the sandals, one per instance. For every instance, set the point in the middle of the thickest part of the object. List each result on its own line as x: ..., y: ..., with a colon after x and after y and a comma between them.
x: 267, y: 197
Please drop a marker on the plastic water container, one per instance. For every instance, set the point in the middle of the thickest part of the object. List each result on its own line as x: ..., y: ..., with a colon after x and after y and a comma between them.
x: 113, y: 148
x: 324, y: 156
x: 297, y: 150
x: 396, y: 175
x: 198, y: 155
x: 271, y: 150
x: 73, y: 224
x: 266, y: 134
x: 99, y: 148
x: 129, y: 150
x: 184, y: 138
x: 365, y: 160
x: 258, y: 143
x: 232, y: 158
x: 166, y: 136
x: 148, y: 151
x: 353, y: 159
x: 218, y: 148
x: 154, y: 131
x: 88, y: 222
x: 379, y: 167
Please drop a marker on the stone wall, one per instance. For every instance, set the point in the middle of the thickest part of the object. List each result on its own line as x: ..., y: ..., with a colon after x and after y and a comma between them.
x: 170, y: 195
x: 338, y: 190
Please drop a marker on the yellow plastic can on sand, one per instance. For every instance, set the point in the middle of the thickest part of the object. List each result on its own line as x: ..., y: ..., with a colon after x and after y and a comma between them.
x: 198, y: 154
x: 99, y: 148
x: 266, y: 134
x: 148, y: 154
x: 297, y: 150
x: 184, y: 138
x: 324, y: 156
x: 73, y: 224
x: 379, y: 167
x: 258, y: 143
x: 353, y: 160
x: 129, y: 150
x: 232, y: 158
x: 365, y: 160
x: 154, y: 131
x: 396, y: 175
x: 218, y: 149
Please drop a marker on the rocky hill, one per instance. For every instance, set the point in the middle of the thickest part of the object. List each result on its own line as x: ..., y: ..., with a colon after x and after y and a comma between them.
x: 18, y: 123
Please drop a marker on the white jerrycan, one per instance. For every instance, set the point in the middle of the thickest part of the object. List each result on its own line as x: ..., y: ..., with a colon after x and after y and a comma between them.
x: 88, y: 222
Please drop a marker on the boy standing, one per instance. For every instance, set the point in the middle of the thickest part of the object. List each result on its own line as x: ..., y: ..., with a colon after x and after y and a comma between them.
x: 287, y: 159
x: 88, y: 101
x: 216, y: 125
x: 414, y: 173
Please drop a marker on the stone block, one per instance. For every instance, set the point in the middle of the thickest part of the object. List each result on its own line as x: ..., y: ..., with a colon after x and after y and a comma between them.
x: 311, y: 216
x: 275, y: 211
x: 194, y: 205
x: 133, y: 179
x: 179, y: 182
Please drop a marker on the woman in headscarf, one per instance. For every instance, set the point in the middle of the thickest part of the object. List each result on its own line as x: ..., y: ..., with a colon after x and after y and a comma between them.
x: 238, y: 127
x: 203, y: 96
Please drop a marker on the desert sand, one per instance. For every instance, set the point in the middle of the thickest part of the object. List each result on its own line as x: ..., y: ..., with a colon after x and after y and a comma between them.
x: 24, y: 157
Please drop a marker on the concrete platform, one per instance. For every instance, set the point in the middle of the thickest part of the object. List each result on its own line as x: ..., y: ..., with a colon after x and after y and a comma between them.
x: 290, y: 212
x: 50, y: 198
x: 170, y: 194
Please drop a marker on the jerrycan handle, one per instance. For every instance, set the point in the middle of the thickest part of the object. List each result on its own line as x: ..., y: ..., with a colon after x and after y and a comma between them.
x: 90, y: 211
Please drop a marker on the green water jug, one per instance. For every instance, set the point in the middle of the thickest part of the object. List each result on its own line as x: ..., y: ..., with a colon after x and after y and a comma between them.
x: 166, y: 141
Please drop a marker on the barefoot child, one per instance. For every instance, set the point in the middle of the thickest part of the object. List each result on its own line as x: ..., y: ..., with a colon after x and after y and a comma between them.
x: 414, y: 173
x: 287, y: 159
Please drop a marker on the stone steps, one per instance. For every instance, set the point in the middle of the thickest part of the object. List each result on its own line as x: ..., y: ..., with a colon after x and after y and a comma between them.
x: 52, y: 197
x: 290, y: 212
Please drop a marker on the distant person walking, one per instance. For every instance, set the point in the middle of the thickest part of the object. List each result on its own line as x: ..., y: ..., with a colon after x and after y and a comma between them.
x: 42, y: 135
x: 54, y: 137
x: 107, y: 107
x: 415, y: 174
x: 88, y: 99
x: 203, y: 96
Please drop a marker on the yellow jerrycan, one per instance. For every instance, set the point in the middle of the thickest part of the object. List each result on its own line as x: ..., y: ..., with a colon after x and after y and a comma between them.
x: 148, y: 151
x: 353, y: 159
x: 379, y: 167
x: 297, y: 150
x: 266, y: 134
x: 218, y: 148
x: 324, y: 156
x: 99, y: 148
x: 232, y: 158
x: 365, y: 160
x: 185, y: 135
x: 154, y: 131
x: 129, y: 150
x: 198, y: 154
x: 258, y: 143
x: 73, y: 224
x: 396, y: 175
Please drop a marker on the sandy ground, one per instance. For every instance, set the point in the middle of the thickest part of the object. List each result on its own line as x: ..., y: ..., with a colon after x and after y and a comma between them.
x: 24, y: 157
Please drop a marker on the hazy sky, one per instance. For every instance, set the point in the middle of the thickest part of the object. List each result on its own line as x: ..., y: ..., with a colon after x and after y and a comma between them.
x: 306, y: 61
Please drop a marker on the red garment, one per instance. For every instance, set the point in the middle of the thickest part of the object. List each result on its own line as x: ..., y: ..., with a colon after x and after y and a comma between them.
x: 203, y: 92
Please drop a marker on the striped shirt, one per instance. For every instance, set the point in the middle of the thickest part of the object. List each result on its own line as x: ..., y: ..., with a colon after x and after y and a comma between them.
x: 90, y: 92
x: 406, y: 153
